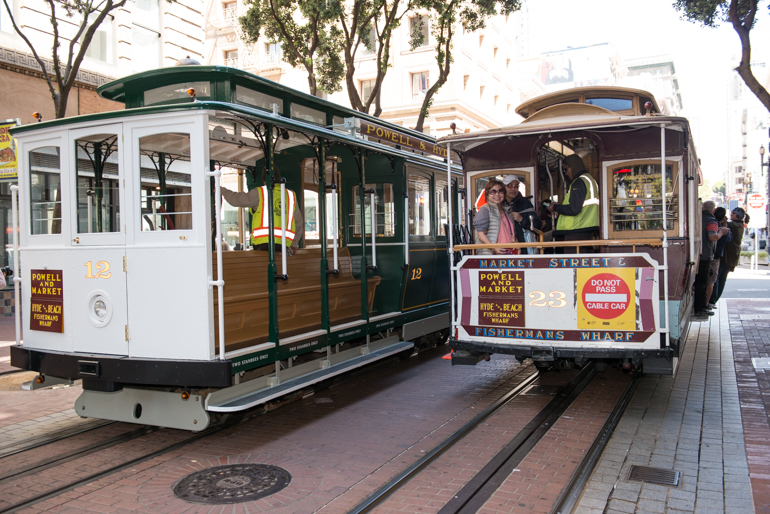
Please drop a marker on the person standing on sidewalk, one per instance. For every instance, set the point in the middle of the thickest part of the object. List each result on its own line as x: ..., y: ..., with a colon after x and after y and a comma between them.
x: 713, y: 290
x: 710, y: 235
x: 732, y: 253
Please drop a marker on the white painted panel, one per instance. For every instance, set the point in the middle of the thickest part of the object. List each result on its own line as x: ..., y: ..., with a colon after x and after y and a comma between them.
x: 36, y: 339
x: 105, y: 280
x: 546, y: 314
x: 169, y: 296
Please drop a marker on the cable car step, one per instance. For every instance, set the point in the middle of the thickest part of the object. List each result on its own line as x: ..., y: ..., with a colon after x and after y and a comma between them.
x: 261, y: 390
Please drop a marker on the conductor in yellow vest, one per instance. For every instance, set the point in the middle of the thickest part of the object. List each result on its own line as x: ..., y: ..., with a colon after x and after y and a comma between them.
x: 578, y: 215
x: 255, y: 200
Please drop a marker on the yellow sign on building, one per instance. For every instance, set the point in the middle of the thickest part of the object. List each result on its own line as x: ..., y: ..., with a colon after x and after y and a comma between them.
x: 606, y: 298
x: 8, y: 168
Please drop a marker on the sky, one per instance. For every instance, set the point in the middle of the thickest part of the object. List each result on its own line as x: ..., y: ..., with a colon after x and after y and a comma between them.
x: 703, y: 57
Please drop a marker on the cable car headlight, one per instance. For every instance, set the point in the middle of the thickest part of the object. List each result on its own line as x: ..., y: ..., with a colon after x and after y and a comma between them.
x: 99, y: 309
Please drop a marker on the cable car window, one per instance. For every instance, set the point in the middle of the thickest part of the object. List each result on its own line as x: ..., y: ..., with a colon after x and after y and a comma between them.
x: 176, y: 92
x: 166, y: 192
x: 636, y: 202
x: 611, y: 104
x: 385, y: 206
x: 419, y: 205
x: 253, y: 98
x: 442, y: 206
x: 98, y: 179
x: 300, y: 112
x: 235, y: 220
x: 311, y: 204
x: 45, y: 190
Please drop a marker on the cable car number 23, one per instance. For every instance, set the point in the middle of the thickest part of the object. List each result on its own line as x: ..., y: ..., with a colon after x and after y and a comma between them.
x: 539, y: 299
x: 102, y: 270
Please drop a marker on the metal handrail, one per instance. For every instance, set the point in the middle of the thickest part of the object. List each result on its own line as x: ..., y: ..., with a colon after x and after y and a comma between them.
x: 16, y: 277
x: 219, y: 283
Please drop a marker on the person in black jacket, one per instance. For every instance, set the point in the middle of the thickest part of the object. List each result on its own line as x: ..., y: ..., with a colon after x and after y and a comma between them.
x: 520, y: 208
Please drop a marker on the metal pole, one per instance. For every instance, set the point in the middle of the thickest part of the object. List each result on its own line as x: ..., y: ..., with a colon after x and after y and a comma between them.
x: 219, y: 282
x: 16, y: 277
x: 665, y: 231
x: 373, y: 210
x: 450, y: 248
x: 283, y: 228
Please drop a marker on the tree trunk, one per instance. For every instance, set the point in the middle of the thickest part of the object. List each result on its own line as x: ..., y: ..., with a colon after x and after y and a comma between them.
x: 743, y: 29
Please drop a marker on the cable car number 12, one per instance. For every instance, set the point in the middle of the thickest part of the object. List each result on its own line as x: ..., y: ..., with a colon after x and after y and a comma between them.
x: 102, y: 270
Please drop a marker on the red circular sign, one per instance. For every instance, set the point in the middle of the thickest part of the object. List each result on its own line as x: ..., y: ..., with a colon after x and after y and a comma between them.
x: 606, y: 296
x: 756, y: 201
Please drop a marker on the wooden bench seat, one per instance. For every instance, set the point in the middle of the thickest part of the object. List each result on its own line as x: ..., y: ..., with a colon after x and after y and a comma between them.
x: 299, y: 297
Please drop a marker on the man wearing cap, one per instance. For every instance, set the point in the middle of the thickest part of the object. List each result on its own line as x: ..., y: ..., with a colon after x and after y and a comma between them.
x: 711, y: 232
x: 579, y: 213
x: 519, y: 208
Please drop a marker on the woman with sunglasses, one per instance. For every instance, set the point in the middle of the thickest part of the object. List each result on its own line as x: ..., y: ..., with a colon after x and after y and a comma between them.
x: 492, y: 223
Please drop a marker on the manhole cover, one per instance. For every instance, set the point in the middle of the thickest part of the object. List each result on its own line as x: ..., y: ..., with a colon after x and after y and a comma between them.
x: 655, y: 475
x: 235, y: 483
x: 542, y: 390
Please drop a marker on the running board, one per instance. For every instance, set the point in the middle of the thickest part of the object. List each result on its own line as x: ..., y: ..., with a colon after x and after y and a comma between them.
x: 263, y: 389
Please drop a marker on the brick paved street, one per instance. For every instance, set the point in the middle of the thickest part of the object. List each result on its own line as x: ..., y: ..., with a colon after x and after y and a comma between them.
x: 710, y: 422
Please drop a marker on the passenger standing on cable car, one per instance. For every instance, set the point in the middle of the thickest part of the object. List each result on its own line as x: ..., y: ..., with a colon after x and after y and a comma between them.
x: 578, y: 215
x: 255, y: 200
x: 491, y: 223
x: 521, y: 211
x: 709, y: 237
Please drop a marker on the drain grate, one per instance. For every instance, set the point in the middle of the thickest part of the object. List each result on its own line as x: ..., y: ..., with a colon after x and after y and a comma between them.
x: 655, y: 475
x: 235, y: 483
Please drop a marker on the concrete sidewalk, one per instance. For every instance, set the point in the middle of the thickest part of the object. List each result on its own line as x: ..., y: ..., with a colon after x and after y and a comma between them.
x: 709, y: 421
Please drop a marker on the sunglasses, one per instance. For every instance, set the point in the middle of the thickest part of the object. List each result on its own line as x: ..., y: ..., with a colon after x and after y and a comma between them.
x: 496, y: 191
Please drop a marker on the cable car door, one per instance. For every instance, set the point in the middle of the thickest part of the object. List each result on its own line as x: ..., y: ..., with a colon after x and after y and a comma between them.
x: 96, y: 281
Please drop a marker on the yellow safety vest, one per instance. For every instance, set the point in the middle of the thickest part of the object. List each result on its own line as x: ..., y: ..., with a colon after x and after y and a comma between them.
x: 588, y: 217
x: 260, y: 223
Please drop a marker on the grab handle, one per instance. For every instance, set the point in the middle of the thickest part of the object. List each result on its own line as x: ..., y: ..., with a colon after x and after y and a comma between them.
x: 373, y: 211
x: 16, y: 277
x: 219, y: 283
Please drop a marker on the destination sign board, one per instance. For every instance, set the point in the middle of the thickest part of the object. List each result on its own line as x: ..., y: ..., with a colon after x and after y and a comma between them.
x: 402, y: 139
x: 46, y: 301
x: 596, y: 301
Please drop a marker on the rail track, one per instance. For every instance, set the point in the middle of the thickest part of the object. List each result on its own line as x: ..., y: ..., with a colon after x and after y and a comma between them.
x: 472, y: 496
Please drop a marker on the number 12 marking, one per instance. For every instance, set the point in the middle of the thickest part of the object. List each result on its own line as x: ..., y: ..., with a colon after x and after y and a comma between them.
x: 102, y: 270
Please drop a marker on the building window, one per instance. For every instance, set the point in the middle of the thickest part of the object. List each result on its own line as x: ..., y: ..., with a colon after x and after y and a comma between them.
x: 494, y: 52
x: 481, y: 91
x: 145, y: 33
x: 230, y: 10
x: 507, y: 63
x: 420, y: 83
x: 366, y: 89
x: 272, y: 52
x: 465, y: 81
x: 231, y: 58
x: 419, y: 25
x: 100, y: 47
x: 481, y: 40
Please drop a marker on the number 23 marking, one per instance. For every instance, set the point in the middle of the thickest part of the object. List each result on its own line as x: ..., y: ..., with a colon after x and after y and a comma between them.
x: 539, y: 299
x: 102, y: 270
